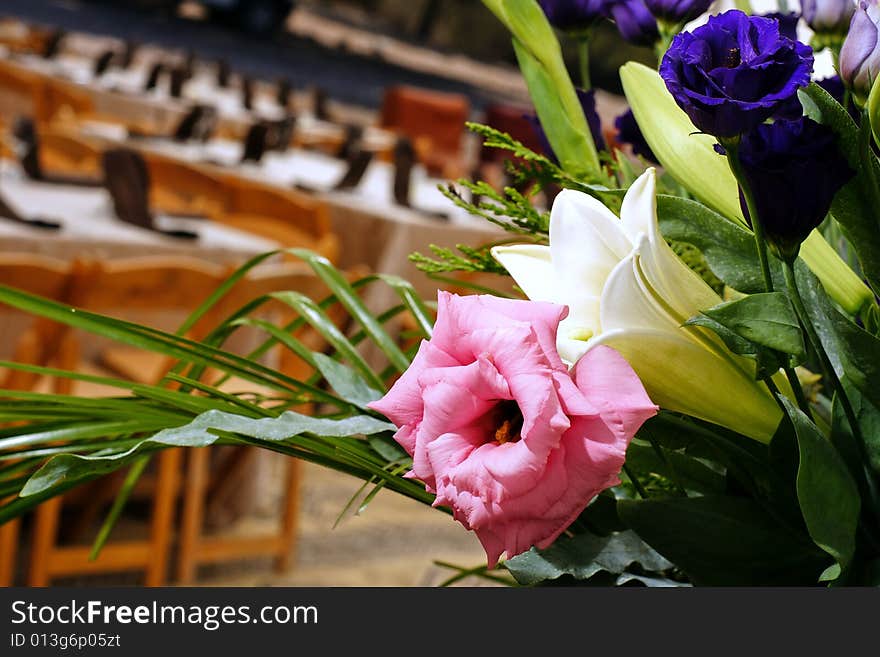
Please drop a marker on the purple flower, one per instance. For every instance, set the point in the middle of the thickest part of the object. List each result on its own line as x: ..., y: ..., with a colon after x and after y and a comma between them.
x: 588, y: 104
x: 734, y: 72
x: 860, y: 54
x: 628, y: 132
x: 794, y: 169
x: 574, y: 15
x: 828, y: 16
x: 634, y: 22
x: 678, y: 11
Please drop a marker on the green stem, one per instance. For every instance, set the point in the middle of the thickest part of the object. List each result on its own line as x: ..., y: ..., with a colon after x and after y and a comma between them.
x: 799, y: 395
x: 732, y: 148
x: 584, y: 61
x: 635, y: 482
x: 816, y: 343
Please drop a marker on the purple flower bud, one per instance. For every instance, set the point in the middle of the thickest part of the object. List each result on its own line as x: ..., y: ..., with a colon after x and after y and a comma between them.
x: 629, y: 132
x: 794, y: 169
x: 828, y: 16
x: 678, y: 11
x: 734, y: 72
x: 574, y: 15
x: 634, y: 22
x: 787, y: 23
x: 860, y: 54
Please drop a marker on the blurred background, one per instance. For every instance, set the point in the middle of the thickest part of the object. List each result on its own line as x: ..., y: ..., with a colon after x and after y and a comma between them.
x: 148, y: 148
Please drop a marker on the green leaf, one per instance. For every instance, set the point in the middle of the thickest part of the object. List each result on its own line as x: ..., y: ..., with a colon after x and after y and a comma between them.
x: 851, y: 348
x: 550, y: 87
x: 201, y: 432
x: 729, y: 249
x: 855, y: 207
x: 827, y: 494
x: 688, y: 471
x: 584, y: 555
x: 766, y: 319
x: 346, y: 382
x: 573, y: 146
x: 724, y: 541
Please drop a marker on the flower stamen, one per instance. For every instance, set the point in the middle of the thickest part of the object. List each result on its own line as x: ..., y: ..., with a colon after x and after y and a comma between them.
x: 510, y: 421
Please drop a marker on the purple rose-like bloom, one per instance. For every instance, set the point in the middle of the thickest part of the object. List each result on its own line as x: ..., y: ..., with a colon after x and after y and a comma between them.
x: 860, y: 54
x: 734, y: 72
x: 588, y: 104
x: 634, y: 22
x: 678, y: 11
x: 574, y: 15
x: 794, y: 169
x: 629, y: 132
x: 828, y: 16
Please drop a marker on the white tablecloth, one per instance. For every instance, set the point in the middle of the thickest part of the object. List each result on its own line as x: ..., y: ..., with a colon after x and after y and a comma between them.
x: 90, y: 227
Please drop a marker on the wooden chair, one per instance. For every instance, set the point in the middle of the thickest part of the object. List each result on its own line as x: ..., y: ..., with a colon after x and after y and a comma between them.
x: 286, y: 216
x: 154, y: 284
x: 20, y: 90
x: 65, y: 153
x: 433, y: 121
x: 195, y: 547
x: 63, y: 102
x: 177, y: 187
x: 49, y: 278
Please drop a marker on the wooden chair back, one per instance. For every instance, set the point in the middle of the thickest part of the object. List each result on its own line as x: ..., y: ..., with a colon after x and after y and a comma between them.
x: 66, y: 153
x: 20, y: 90
x: 177, y: 187
x: 289, y: 217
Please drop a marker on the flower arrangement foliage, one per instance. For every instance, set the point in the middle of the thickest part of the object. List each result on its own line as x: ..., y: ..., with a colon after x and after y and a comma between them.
x: 686, y: 394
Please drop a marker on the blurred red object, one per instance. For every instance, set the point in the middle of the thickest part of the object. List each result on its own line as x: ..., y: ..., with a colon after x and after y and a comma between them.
x: 513, y: 120
x: 433, y: 121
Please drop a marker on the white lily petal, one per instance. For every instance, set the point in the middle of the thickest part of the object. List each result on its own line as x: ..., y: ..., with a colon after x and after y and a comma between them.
x: 638, y: 213
x: 586, y: 241
x: 684, y: 292
x: 532, y: 269
x: 681, y: 375
x: 627, y: 302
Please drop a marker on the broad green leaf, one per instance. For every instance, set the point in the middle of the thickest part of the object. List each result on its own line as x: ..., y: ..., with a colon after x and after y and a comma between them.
x: 851, y: 348
x: 729, y: 249
x: 767, y: 361
x: 584, y: 555
x: 862, y: 461
x: 766, y: 319
x: 687, y: 471
x: 550, y: 87
x: 689, y: 158
x: 856, y: 205
x: 201, y: 432
x: 828, y: 495
x: 724, y: 541
x: 346, y: 382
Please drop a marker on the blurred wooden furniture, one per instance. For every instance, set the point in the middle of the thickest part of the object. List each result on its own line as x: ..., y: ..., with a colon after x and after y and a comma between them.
x: 433, y: 121
x: 66, y: 153
x: 47, y: 277
x: 177, y: 187
x: 289, y: 217
x: 202, y: 484
x: 153, y: 284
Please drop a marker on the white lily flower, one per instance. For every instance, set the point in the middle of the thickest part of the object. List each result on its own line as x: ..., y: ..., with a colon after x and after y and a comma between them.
x: 627, y: 289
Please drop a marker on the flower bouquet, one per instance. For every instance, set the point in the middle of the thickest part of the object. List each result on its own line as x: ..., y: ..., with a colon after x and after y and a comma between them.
x: 684, y: 393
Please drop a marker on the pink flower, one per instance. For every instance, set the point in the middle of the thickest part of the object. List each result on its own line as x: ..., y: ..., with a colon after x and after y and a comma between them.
x: 499, y: 428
